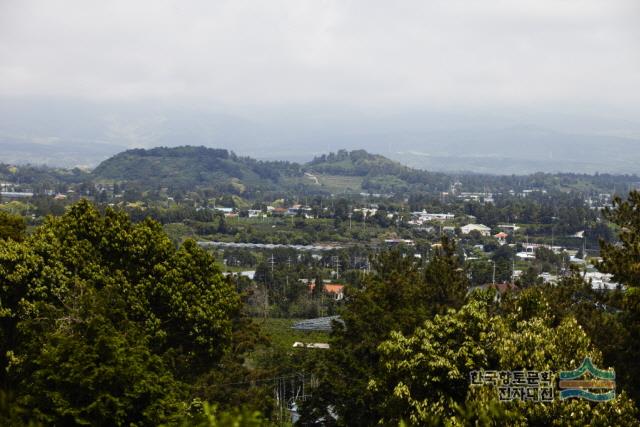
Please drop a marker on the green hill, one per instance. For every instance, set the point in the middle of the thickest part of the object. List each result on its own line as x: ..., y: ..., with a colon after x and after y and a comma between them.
x: 355, y: 163
x: 190, y: 167
x: 379, y: 173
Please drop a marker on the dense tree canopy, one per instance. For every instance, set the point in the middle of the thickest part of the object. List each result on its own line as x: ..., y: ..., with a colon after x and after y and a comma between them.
x: 12, y: 226
x: 397, y: 298
x: 622, y: 260
x: 407, y: 345
x: 426, y: 375
x: 103, y: 321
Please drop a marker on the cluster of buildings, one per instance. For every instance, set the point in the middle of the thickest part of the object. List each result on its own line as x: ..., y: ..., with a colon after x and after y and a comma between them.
x: 308, y: 212
x: 420, y: 218
x: 294, y: 210
x: 599, y: 202
x: 476, y: 197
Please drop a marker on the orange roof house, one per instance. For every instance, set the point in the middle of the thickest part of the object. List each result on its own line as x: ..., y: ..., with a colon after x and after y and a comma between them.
x: 334, y: 289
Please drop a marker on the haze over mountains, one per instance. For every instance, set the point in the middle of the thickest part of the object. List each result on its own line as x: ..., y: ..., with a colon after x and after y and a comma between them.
x: 494, y: 87
x: 80, y: 133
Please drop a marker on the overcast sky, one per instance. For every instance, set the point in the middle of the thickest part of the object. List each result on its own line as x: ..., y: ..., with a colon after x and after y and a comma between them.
x: 449, y: 53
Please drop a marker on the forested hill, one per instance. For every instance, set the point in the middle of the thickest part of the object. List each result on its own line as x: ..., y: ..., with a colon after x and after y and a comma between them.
x: 189, y: 167
x: 380, y: 173
x: 356, y: 163
x: 202, y: 163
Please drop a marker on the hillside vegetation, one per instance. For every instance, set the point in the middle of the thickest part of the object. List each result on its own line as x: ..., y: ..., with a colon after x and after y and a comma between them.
x: 188, y: 167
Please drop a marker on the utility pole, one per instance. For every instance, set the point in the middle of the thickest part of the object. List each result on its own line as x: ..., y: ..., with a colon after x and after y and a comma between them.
x: 272, y: 261
x: 266, y: 299
x: 494, y: 271
x: 337, y: 263
x: 286, y: 286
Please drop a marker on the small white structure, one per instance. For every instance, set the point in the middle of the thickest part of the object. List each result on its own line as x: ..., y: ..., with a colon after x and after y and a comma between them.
x: 508, y: 227
x: 321, y: 345
x: 223, y: 209
x: 601, y: 280
x: 482, y: 229
x: 419, y: 218
x: 366, y: 212
x: 526, y: 255
x: 248, y: 273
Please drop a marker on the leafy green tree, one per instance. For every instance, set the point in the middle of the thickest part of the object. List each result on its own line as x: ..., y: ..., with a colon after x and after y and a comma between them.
x: 426, y: 375
x: 530, y: 277
x: 398, y: 297
x: 103, y: 321
x: 480, y: 271
x: 318, y: 287
x: 444, y: 279
x: 12, y: 226
x: 211, y: 416
x: 622, y: 260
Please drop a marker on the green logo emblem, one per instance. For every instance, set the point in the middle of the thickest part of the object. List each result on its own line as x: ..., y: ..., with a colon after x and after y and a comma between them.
x: 588, y: 382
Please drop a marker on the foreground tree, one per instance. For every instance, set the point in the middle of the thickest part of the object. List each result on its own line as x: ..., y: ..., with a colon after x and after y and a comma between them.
x: 426, y: 375
x: 407, y: 345
x: 622, y: 260
x: 12, y: 226
x: 398, y: 297
x: 105, y: 322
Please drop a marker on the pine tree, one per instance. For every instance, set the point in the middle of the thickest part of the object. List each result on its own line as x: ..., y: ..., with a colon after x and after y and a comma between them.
x: 622, y: 260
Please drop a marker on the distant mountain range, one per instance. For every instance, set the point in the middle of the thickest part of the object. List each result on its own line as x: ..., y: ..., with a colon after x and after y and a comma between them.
x: 73, y: 133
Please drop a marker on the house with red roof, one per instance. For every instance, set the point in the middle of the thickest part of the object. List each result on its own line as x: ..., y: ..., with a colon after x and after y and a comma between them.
x: 335, y: 290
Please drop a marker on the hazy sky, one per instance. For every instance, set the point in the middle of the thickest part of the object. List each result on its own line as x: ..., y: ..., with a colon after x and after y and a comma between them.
x: 450, y: 53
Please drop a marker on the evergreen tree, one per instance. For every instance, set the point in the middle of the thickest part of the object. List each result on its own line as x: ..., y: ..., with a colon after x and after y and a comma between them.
x: 622, y: 260
x: 12, y: 226
x: 426, y: 380
x: 398, y: 297
x: 105, y: 322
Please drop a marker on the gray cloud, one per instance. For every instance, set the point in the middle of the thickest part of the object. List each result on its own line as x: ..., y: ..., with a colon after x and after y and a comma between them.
x: 375, y: 54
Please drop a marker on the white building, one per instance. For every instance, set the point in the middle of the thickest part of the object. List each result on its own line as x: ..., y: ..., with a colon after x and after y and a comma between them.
x: 366, y: 212
x: 419, y: 218
x: 482, y: 229
x: 223, y: 209
x: 508, y: 227
x: 600, y: 280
